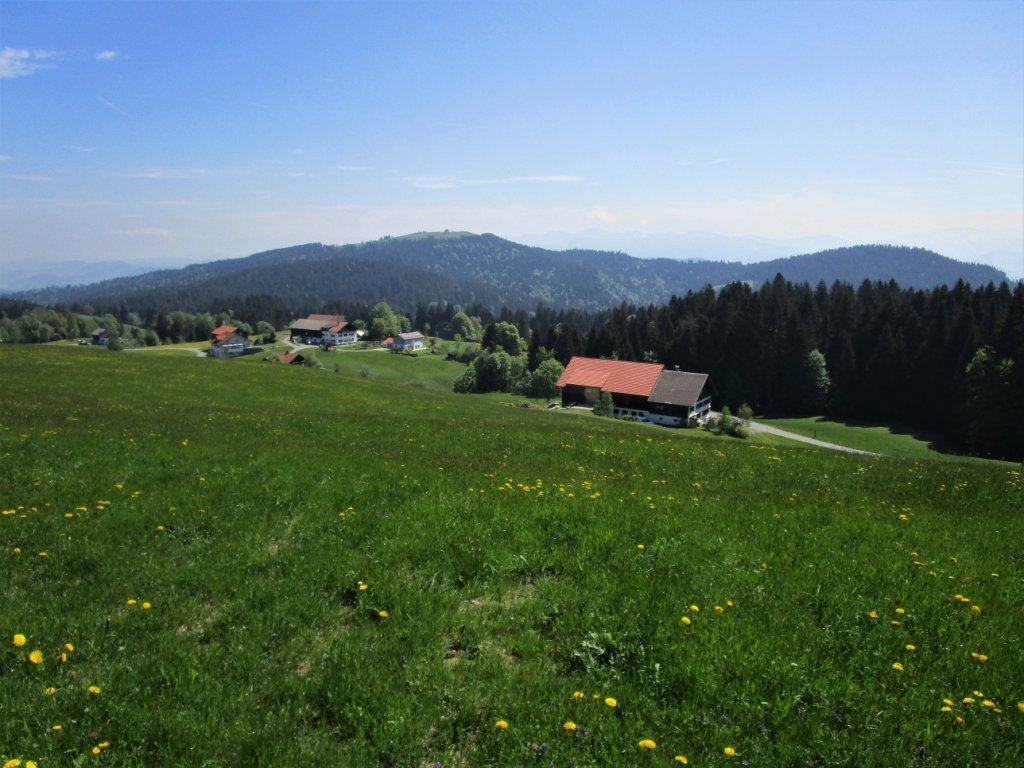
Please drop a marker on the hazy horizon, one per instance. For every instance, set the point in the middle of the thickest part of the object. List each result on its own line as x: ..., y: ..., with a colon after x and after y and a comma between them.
x: 176, y: 133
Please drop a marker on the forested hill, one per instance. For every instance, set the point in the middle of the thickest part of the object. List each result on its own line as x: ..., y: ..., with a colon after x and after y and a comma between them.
x: 464, y: 268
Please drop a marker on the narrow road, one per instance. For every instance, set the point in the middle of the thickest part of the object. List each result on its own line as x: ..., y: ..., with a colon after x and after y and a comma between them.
x: 764, y: 428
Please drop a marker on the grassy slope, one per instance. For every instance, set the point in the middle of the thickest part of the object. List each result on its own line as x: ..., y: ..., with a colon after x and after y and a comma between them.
x: 246, y: 503
x: 877, y: 438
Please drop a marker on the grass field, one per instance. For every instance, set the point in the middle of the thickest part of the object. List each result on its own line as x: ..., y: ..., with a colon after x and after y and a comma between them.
x: 242, y: 563
x: 877, y: 438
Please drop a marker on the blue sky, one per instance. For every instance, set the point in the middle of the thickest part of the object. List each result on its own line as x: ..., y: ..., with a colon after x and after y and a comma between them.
x: 179, y: 132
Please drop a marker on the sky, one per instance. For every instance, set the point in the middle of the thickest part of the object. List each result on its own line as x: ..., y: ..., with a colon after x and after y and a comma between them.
x: 178, y: 132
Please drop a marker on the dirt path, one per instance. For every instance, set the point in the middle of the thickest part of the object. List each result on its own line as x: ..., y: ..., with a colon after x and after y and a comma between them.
x: 764, y: 428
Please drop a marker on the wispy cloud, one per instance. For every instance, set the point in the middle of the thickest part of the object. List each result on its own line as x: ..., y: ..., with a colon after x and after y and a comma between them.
x: 32, y: 177
x: 80, y: 149
x: 168, y: 173
x: 4, y: 157
x: 107, y: 55
x: 20, y: 62
x: 350, y: 167
x: 112, y: 106
x: 447, y: 182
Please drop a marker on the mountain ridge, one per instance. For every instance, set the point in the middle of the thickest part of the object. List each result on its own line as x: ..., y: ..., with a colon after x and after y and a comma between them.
x: 466, y: 268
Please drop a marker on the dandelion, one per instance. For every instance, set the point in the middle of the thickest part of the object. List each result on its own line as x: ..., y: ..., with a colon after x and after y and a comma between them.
x: 1020, y: 707
x: 686, y: 620
x: 976, y: 609
x: 57, y: 727
x: 363, y: 587
x: 503, y: 725
x: 948, y: 702
x: 146, y: 606
x: 979, y: 656
x: 96, y: 750
x: 12, y: 763
x: 611, y: 702
x: 640, y: 546
x: 898, y: 667
x: 873, y: 614
x: 911, y: 647
x: 132, y: 601
x: 578, y: 695
x: 729, y: 603
x: 695, y: 609
x: 729, y: 752
x: 988, y: 703
x: 36, y: 657
x: 646, y: 744
x: 968, y: 700
x: 50, y: 691
x: 69, y: 647
x: 681, y: 759
x: 719, y: 609
x: 94, y: 690
x: 383, y: 614
x: 569, y: 725
x: 19, y: 640
x: 900, y: 611
x: 947, y: 708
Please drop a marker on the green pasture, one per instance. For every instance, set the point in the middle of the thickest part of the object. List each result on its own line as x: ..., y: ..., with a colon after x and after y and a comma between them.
x: 264, y: 565
x: 877, y: 438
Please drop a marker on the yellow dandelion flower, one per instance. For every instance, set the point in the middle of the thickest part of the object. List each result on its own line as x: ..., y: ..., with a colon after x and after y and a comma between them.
x: 898, y: 667
x: 363, y: 587
x: 104, y: 745
x: 50, y: 691
x: 57, y: 727
x: 611, y: 702
x: 695, y: 609
x: 719, y: 609
x: 947, y: 709
x: 19, y: 640
x: 958, y: 597
x: 1020, y: 707
x: 978, y: 693
x: 132, y: 601
x: 686, y: 620
x: 646, y: 744
x: 36, y: 657
x: 894, y: 623
x: 979, y: 656
x: 640, y: 546
x: 967, y: 700
x: 96, y: 750
x: 69, y: 647
x: 12, y: 763
x: 911, y: 647
x: 729, y: 603
x: 569, y: 725
x: 959, y: 720
x: 63, y: 657
x: 988, y: 703
x: 948, y: 702
x: 503, y: 725
x: 383, y: 614
x: 900, y: 611
x: 578, y: 695
x: 94, y: 689
x: 729, y: 752
x: 31, y: 764
x: 681, y: 759
x: 873, y: 614
x: 146, y: 606
x: 976, y: 608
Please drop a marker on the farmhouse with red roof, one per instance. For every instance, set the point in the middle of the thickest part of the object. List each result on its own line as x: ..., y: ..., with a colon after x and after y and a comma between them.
x: 326, y: 330
x: 228, y: 341
x: 643, y: 391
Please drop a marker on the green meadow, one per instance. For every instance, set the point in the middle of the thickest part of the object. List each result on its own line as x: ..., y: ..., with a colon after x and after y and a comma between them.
x: 211, y: 563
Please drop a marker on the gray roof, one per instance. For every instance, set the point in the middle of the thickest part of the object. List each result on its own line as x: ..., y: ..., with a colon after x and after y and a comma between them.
x: 410, y: 336
x: 678, y: 388
x: 309, y: 325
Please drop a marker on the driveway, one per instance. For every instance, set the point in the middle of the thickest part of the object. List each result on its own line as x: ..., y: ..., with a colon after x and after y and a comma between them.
x: 756, y: 428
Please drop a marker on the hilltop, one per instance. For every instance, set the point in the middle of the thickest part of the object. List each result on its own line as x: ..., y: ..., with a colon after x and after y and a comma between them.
x: 465, y: 268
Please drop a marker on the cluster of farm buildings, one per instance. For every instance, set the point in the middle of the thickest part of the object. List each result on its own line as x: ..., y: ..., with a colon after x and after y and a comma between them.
x: 641, y: 391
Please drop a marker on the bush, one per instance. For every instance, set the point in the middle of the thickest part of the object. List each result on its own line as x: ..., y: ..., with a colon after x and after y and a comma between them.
x: 604, y: 406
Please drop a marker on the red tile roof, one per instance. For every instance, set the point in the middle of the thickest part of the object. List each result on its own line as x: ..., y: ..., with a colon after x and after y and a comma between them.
x: 222, y: 333
x: 617, y: 376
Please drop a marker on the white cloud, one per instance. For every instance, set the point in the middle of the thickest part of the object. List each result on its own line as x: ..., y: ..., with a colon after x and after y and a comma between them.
x: 4, y: 157
x: 19, y: 62
x: 110, y: 105
x: 167, y: 173
x: 447, y: 182
x: 80, y: 149
x: 106, y: 55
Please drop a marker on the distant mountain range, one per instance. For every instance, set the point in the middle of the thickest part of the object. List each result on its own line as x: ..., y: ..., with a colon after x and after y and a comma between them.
x: 465, y: 268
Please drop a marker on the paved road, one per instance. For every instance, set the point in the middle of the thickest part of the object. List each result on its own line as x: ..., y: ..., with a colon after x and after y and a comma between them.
x: 755, y: 427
